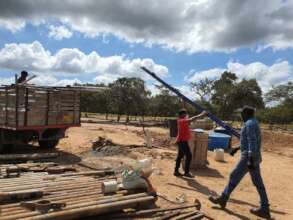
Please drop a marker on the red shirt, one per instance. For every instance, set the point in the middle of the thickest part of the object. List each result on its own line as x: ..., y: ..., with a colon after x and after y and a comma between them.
x: 183, y: 130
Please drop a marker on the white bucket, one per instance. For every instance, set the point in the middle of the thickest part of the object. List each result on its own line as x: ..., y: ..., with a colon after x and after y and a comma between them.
x: 109, y: 187
x: 146, y: 166
x: 219, y: 155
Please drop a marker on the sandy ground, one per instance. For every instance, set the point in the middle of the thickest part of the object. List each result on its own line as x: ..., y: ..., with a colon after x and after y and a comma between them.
x: 276, y: 168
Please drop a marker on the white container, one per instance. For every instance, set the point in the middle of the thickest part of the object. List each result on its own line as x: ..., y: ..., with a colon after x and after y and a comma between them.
x: 219, y: 155
x: 109, y: 187
x: 146, y: 166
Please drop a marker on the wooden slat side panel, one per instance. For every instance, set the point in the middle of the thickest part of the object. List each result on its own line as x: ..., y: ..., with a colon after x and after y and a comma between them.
x: 63, y: 107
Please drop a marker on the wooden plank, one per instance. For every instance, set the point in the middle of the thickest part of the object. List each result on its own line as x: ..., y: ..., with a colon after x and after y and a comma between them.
x: 199, y: 148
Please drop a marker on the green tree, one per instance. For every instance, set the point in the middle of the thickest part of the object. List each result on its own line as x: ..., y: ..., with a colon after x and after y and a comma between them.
x: 280, y: 102
x: 281, y: 93
x: 128, y: 95
x: 229, y: 94
x: 248, y: 92
x: 165, y: 104
x: 203, y: 89
x: 222, y: 97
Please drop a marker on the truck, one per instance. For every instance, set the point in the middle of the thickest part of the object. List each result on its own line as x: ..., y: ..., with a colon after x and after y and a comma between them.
x: 40, y: 114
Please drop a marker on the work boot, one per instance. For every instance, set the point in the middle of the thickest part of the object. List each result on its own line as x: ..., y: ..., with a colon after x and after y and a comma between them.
x: 219, y: 200
x: 189, y: 175
x: 177, y: 173
x: 261, y: 212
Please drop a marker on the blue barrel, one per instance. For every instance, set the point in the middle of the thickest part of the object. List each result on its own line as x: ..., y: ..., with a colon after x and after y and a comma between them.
x: 218, y: 140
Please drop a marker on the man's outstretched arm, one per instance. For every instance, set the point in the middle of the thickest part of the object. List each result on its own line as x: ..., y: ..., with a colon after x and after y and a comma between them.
x: 201, y: 115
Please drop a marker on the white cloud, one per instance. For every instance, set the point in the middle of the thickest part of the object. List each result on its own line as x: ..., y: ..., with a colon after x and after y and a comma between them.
x: 185, y: 90
x: 59, y: 32
x: 13, y: 25
x: 192, y: 26
x: 105, y: 79
x: 44, y: 80
x: 71, y: 61
x: 6, y: 81
x: 267, y: 76
x: 211, y: 74
x: 153, y: 89
x: 25, y: 56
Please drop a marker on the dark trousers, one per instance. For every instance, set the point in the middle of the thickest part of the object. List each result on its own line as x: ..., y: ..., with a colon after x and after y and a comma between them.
x: 183, y: 151
x: 239, y: 172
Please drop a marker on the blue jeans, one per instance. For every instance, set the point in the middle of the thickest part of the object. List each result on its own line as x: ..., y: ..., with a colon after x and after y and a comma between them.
x: 239, y: 172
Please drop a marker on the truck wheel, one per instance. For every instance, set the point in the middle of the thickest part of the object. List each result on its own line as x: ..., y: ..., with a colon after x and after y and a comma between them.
x: 48, y: 143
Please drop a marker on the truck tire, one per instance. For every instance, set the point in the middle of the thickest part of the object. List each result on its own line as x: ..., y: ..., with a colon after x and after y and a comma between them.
x: 48, y: 143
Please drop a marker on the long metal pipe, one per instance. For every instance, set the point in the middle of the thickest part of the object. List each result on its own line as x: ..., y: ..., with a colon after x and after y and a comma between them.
x: 49, y: 186
x: 79, y: 208
x: 74, y: 195
x: 47, y: 182
x: 35, y: 156
x: 69, y: 202
x: 94, y: 210
x: 231, y: 130
x: 46, y: 178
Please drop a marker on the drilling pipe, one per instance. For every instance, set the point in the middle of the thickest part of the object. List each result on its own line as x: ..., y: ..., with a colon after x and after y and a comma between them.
x: 218, y: 121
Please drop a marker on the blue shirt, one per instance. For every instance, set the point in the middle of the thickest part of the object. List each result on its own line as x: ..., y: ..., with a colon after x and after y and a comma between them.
x: 250, y: 139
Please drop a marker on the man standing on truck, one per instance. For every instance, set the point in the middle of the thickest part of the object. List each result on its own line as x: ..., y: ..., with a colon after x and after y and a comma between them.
x: 182, y: 139
x: 250, y: 145
x: 23, y: 76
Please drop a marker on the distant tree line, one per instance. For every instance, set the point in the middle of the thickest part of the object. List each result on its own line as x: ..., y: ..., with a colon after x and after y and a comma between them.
x: 223, y: 96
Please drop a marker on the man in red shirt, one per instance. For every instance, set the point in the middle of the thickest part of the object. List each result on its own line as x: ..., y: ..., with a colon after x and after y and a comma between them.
x: 182, y: 139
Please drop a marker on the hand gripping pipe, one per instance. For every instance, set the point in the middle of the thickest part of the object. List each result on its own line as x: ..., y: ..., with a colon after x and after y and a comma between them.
x: 231, y: 130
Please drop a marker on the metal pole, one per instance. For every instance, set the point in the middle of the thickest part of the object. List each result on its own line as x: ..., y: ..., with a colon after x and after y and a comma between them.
x: 231, y: 130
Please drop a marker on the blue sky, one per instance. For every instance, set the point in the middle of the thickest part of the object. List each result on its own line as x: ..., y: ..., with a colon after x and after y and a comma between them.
x: 99, y: 41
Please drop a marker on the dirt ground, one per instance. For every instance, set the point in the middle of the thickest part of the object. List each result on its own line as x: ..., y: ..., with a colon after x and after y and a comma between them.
x: 276, y: 168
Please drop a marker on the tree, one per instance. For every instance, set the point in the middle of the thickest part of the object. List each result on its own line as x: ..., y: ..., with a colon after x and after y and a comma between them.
x: 280, y: 99
x: 165, y: 104
x: 248, y: 92
x: 282, y: 94
x: 128, y: 95
x: 229, y: 94
x: 203, y: 89
x: 222, y: 97
x: 97, y: 102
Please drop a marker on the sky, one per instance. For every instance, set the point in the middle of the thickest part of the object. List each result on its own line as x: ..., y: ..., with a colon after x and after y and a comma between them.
x: 183, y: 41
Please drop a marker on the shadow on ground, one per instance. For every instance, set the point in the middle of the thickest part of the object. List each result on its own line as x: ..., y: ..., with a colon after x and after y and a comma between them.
x: 64, y: 158
x: 208, y: 172
x: 193, y: 185
x: 240, y: 202
x: 230, y: 212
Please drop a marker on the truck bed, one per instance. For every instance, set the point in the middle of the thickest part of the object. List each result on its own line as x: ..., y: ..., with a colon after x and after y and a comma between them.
x: 24, y: 107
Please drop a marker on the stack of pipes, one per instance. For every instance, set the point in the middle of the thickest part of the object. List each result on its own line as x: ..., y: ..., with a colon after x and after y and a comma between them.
x: 80, y: 192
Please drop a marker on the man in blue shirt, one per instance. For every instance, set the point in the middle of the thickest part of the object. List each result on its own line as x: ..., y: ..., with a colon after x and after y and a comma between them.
x: 250, y: 145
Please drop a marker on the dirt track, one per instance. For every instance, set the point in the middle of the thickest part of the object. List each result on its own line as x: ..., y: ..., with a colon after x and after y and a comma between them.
x: 277, y: 169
